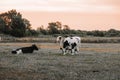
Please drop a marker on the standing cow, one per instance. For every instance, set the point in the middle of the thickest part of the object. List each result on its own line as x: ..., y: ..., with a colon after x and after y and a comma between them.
x: 69, y: 44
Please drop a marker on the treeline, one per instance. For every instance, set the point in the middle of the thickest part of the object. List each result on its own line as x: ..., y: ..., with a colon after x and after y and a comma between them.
x: 56, y: 28
x: 12, y: 23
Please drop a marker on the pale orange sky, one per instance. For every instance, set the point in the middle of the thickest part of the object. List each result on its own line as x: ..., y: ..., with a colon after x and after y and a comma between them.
x: 77, y: 14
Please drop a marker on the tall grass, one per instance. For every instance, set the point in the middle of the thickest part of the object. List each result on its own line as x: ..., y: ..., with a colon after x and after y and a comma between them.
x: 101, y: 39
x: 51, y: 39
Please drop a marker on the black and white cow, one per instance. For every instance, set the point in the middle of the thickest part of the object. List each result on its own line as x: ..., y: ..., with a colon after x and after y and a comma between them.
x: 69, y: 44
x: 29, y: 49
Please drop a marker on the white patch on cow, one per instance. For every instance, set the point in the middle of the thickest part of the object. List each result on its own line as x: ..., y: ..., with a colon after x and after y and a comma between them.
x: 78, y: 43
x: 19, y: 51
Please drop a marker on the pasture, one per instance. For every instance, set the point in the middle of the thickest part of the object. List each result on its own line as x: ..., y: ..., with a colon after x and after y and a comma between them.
x: 100, y: 61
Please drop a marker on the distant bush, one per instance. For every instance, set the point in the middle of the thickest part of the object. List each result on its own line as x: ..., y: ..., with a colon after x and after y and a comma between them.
x: 100, y: 39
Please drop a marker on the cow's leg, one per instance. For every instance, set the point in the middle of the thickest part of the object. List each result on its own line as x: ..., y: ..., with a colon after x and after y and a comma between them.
x: 61, y: 50
x: 76, y: 50
x: 73, y: 45
x: 73, y: 51
x: 79, y: 46
x: 64, y: 51
x: 68, y: 49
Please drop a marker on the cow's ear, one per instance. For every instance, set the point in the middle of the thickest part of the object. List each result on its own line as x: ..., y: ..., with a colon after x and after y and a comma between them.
x: 33, y: 44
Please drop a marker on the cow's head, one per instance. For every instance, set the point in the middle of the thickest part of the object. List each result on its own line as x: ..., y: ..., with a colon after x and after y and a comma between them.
x: 59, y: 38
x: 34, y: 47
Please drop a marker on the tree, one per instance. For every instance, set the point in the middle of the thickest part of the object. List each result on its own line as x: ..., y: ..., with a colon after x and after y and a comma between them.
x: 59, y: 25
x: 66, y: 29
x: 112, y: 33
x: 2, y: 25
x: 27, y: 23
x: 41, y: 30
x: 18, y: 27
x: 14, y: 24
x: 32, y: 33
x: 98, y: 33
x: 54, y: 27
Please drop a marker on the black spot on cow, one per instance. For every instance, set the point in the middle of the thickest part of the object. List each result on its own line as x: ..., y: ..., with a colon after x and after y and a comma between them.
x: 73, y: 45
x: 65, y: 44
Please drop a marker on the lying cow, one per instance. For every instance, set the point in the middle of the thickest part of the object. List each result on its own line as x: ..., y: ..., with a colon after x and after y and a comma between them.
x: 29, y: 49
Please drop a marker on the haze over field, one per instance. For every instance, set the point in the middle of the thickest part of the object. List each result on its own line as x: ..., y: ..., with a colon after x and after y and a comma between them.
x: 78, y: 14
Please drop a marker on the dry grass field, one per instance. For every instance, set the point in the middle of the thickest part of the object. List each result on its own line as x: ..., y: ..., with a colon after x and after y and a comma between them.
x: 94, y: 62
